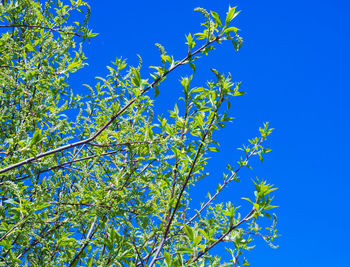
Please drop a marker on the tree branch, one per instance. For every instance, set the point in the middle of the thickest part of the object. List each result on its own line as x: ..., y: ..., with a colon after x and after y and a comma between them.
x: 160, y: 246
x: 13, y: 228
x: 219, y: 190
x: 209, y: 247
x: 224, y: 184
x: 88, y: 238
x: 65, y: 163
x: 39, y: 27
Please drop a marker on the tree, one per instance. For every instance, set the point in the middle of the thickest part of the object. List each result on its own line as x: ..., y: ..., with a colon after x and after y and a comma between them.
x: 111, y: 185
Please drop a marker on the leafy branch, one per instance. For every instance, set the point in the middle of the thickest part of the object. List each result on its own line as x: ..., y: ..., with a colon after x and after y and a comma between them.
x: 114, y: 117
x: 42, y: 27
x: 248, y: 217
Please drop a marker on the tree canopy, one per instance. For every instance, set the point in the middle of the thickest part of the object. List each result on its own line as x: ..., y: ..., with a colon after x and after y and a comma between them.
x: 110, y: 186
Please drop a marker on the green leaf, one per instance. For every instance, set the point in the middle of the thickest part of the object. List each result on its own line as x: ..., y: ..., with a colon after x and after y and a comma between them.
x: 92, y: 34
x: 235, y: 45
x: 90, y: 261
x: 197, y: 240
x: 36, y: 138
x: 230, y: 15
x: 193, y: 67
x: 189, y: 232
x: 267, y: 215
x: 42, y: 206
x: 216, y: 18
x: 245, y: 263
x: 73, y: 65
x: 168, y: 259
x: 176, y: 109
x: 213, y: 148
x: 266, y: 150
x: 136, y: 79
x: 156, y: 91
x: 217, y: 74
x: 185, y: 82
x: 248, y: 200
x: 261, y: 157
x: 239, y: 93
x: 230, y: 29
x: 184, y: 250
x: 204, y: 109
x: 190, y: 42
x: 204, y: 234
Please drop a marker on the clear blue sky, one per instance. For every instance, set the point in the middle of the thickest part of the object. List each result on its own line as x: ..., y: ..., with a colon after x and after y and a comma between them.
x: 294, y: 66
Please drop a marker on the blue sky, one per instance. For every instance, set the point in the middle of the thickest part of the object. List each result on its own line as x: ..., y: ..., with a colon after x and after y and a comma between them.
x: 294, y: 66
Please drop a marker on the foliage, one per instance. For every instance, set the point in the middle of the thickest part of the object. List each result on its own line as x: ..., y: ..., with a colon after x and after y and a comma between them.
x: 111, y: 187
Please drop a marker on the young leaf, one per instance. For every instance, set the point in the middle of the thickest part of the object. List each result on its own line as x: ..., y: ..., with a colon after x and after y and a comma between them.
x: 216, y: 18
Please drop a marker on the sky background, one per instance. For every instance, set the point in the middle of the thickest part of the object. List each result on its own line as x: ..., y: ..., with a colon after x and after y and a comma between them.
x: 294, y: 66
